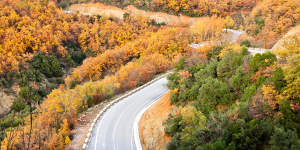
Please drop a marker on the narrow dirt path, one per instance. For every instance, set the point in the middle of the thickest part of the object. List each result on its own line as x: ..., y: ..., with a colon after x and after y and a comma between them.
x: 159, y: 17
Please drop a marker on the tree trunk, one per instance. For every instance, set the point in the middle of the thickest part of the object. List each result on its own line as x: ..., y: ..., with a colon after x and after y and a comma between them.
x: 30, y: 131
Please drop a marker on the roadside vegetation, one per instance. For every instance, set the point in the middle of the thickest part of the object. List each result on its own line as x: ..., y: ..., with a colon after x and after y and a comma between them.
x: 235, y: 101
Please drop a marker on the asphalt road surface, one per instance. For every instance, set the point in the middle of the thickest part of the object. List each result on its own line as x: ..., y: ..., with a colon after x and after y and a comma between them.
x: 114, y: 130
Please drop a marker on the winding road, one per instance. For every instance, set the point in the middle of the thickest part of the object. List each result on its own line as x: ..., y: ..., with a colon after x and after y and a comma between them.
x: 233, y: 38
x: 115, y: 129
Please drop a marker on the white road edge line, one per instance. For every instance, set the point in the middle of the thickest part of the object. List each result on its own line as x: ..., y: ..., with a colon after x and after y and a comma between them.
x: 86, y: 143
x: 136, y: 134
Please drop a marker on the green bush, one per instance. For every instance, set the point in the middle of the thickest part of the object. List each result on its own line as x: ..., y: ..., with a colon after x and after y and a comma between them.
x: 239, y: 80
x: 4, y: 83
x: 30, y: 75
x: 256, y: 31
x: 244, y: 51
x: 43, y: 92
x: 173, y: 124
x: 73, y: 84
x: 29, y: 95
x: 52, y: 80
x: 180, y: 65
x: 228, y: 64
x: 60, y: 81
x: 284, y: 140
x: 48, y: 65
x: 262, y: 60
x: 70, y: 61
x: 248, y: 92
x: 11, y: 75
x: 209, y: 70
x: 246, y: 43
x: 291, y: 119
x: 52, y: 86
x: 9, y: 121
x: 259, y: 21
x: 174, y: 144
x: 190, y: 94
x: 126, y: 15
x: 173, y: 80
x: 55, y: 66
x: 212, y: 93
x: 18, y: 105
x: 217, y: 145
x: 78, y: 57
x: 277, y: 78
x: 63, y: 4
x: 174, y: 98
x: 89, y: 101
x: 244, y: 135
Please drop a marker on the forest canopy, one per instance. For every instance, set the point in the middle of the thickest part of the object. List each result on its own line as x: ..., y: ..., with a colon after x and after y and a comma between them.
x: 238, y: 102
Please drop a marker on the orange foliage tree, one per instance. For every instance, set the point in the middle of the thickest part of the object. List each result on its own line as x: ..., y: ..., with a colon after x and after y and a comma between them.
x: 32, y: 26
x: 172, y: 41
x: 270, y: 19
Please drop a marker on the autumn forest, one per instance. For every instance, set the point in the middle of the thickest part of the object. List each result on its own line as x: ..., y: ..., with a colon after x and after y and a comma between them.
x: 56, y: 65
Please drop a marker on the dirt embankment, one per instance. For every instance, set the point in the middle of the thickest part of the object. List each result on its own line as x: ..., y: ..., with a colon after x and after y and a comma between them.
x: 151, y: 128
x: 160, y: 17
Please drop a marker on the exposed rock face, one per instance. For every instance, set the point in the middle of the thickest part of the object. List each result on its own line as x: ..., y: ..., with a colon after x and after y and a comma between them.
x: 7, y: 99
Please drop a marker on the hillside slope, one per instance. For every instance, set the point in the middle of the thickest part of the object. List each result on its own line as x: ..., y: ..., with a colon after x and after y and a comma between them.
x: 289, y: 39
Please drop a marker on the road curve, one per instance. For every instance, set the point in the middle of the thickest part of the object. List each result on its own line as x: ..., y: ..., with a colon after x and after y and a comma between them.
x: 114, y: 130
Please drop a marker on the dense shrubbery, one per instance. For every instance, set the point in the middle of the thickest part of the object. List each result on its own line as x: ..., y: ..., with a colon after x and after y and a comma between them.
x: 241, y: 102
x: 173, y: 41
x: 48, y: 65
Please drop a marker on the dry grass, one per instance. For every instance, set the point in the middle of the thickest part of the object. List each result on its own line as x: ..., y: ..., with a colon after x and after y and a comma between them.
x: 292, y: 32
x: 151, y: 128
